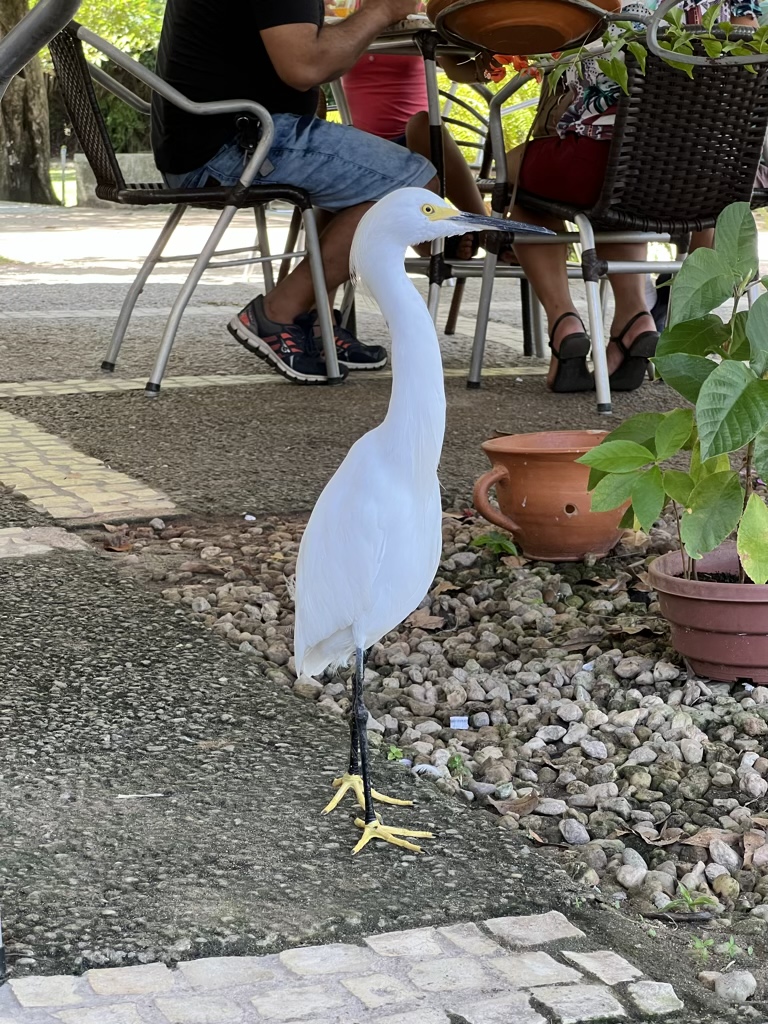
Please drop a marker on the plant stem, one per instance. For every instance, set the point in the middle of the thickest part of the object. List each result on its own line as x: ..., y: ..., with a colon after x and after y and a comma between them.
x: 686, y: 569
x: 747, y: 494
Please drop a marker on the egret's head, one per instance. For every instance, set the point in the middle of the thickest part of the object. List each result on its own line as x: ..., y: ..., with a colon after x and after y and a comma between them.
x: 410, y: 216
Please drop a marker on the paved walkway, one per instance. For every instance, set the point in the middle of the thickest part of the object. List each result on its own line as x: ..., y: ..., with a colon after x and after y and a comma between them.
x: 507, y: 970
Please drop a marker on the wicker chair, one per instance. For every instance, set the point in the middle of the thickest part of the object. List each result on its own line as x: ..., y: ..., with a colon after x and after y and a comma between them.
x: 76, y: 78
x: 682, y: 150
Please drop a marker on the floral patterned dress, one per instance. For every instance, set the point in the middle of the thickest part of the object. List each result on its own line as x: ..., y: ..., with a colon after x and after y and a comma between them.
x: 593, y: 112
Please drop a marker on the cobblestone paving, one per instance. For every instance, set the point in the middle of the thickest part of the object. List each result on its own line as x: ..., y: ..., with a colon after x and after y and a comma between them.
x: 65, y: 483
x: 509, y: 970
x: 16, y: 542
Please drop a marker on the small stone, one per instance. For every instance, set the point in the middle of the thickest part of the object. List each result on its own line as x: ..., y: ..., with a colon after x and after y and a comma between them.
x: 200, y: 605
x: 722, y: 853
x: 692, y: 751
x: 305, y: 686
x: 726, y: 888
x: 713, y: 870
x: 551, y: 807
x: 594, y: 748
x: 754, y: 785
x: 157, y: 524
x: 551, y: 733
x: 708, y: 979
x: 631, y: 877
x: 654, y: 998
x: 736, y: 987
x: 573, y: 832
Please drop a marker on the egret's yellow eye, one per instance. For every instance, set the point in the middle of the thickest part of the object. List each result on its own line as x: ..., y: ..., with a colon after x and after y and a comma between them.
x: 427, y: 210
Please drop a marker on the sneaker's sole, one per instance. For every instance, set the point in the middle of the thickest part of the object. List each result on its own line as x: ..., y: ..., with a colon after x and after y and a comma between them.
x: 260, y: 348
x: 364, y: 366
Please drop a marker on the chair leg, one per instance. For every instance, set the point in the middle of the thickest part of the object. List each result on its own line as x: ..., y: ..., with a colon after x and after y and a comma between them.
x: 262, y: 234
x: 527, y: 316
x: 137, y: 287
x: 453, y: 312
x: 290, y: 244
x: 597, y: 334
x: 539, y: 331
x: 185, y: 294
x: 481, y: 322
x: 347, y: 308
x: 321, y: 298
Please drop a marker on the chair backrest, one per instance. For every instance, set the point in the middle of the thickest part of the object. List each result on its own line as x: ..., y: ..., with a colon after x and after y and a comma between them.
x: 683, y: 149
x: 77, y: 90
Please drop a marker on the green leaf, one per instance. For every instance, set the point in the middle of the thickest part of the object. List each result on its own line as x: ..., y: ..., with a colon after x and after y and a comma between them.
x: 698, y: 337
x: 731, y: 408
x: 738, y: 347
x: 674, y: 430
x: 713, y: 512
x: 760, y: 456
x: 595, y: 476
x: 757, y: 332
x: 705, y: 281
x: 613, y: 490
x: 627, y: 520
x: 710, y: 16
x: 736, y: 242
x: 615, y: 69
x: 641, y: 428
x: 640, y: 54
x: 752, y: 539
x: 684, y: 373
x: 649, y: 497
x: 712, y: 47
x: 617, y: 456
x: 698, y: 469
x: 678, y: 486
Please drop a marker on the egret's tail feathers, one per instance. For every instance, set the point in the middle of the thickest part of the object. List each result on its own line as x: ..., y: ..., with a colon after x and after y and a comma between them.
x: 333, y: 652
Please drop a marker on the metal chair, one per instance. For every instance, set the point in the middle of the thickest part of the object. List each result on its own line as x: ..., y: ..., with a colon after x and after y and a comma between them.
x: 682, y: 151
x: 31, y: 34
x: 76, y: 77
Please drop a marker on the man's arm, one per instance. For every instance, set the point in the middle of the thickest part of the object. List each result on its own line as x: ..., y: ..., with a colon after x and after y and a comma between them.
x: 305, y: 58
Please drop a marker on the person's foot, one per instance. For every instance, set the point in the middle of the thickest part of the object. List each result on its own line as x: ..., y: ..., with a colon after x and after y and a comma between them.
x: 289, y: 348
x: 565, y: 325
x: 642, y: 325
x: 350, y: 351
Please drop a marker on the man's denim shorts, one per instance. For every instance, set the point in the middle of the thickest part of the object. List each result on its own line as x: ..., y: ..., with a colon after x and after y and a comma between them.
x: 339, y: 166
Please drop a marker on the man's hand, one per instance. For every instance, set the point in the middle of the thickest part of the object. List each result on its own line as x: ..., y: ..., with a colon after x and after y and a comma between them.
x: 395, y: 10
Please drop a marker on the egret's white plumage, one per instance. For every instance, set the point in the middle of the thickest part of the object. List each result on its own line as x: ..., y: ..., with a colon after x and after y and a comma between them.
x: 372, y: 544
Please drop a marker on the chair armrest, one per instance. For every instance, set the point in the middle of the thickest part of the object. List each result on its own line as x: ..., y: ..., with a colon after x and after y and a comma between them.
x: 35, y: 30
x: 156, y: 84
x: 118, y: 89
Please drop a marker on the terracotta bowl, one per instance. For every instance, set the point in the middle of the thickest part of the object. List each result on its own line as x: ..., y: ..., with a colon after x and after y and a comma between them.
x: 518, y: 26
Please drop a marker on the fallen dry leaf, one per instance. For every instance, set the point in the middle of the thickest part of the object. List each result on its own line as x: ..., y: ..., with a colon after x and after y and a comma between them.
x: 752, y: 842
x: 111, y: 528
x: 513, y: 561
x: 424, y: 619
x: 118, y: 544
x: 516, y: 805
x: 201, y: 567
x: 708, y: 835
x: 442, y: 587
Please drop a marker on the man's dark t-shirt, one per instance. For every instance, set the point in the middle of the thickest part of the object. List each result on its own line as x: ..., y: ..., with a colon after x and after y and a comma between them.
x: 212, y: 50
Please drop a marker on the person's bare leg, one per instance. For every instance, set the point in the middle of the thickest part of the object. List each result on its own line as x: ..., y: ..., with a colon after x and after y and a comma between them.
x: 295, y: 293
x: 702, y: 239
x: 629, y: 299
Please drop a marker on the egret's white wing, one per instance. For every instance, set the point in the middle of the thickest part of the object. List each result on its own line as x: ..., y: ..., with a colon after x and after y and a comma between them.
x: 339, y: 557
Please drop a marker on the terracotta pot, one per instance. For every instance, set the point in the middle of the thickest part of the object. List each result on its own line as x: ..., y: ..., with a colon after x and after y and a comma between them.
x: 518, y: 26
x: 721, y: 629
x: 543, y: 497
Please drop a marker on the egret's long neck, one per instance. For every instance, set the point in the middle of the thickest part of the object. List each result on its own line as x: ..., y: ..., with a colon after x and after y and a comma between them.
x: 417, y: 405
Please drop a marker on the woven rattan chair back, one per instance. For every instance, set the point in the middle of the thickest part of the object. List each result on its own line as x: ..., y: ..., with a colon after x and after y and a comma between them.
x: 80, y: 100
x: 683, y: 149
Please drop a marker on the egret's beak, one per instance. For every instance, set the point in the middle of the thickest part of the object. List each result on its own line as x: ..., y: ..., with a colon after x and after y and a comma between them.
x: 457, y: 223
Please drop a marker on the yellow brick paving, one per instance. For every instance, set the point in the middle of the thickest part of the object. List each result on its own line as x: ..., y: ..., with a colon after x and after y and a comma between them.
x: 82, y: 385
x: 66, y: 484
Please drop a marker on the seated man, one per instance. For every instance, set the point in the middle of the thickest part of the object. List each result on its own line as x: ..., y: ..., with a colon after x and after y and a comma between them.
x: 278, y: 54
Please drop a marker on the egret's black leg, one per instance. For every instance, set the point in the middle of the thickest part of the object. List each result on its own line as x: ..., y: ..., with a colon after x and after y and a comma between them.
x: 354, y: 744
x: 359, y: 724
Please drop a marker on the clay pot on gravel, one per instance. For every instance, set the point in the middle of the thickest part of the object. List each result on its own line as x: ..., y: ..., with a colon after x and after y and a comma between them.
x: 720, y: 628
x: 543, y: 498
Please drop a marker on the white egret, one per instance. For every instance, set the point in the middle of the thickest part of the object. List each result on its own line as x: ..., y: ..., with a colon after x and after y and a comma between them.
x: 372, y: 544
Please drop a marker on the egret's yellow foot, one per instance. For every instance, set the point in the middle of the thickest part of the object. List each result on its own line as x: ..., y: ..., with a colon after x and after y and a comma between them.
x: 378, y: 830
x: 355, y: 783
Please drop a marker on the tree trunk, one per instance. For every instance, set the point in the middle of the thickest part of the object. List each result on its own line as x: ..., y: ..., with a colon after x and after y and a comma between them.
x: 24, y: 137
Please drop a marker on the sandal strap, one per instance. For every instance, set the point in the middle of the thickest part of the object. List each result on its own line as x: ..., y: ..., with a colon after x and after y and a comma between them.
x: 617, y: 339
x: 559, y: 320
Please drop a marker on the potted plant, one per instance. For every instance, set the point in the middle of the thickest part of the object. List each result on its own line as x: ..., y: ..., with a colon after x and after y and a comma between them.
x: 701, y: 460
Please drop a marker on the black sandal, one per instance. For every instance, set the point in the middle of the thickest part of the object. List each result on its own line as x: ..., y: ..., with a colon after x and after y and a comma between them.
x: 451, y: 247
x: 629, y: 374
x: 572, y: 374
